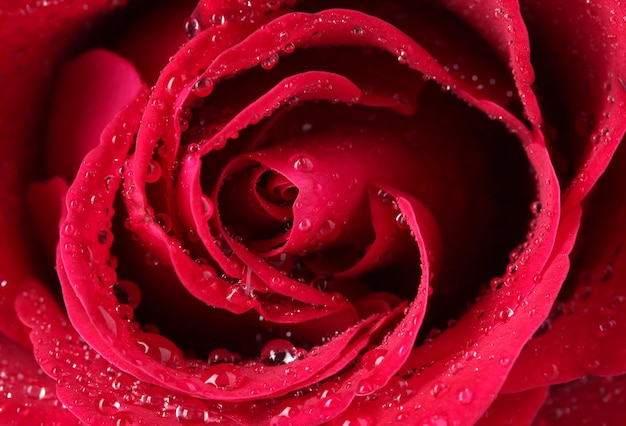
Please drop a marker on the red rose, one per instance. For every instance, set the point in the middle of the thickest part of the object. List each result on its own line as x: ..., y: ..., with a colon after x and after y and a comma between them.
x: 307, y: 212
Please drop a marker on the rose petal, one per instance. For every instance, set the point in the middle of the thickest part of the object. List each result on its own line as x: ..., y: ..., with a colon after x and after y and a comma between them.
x: 591, y: 400
x: 580, y: 77
x: 515, y: 408
x: 46, y: 204
x: 501, y: 24
x: 29, y: 396
x: 587, y: 336
x: 35, y: 40
x: 90, y: 92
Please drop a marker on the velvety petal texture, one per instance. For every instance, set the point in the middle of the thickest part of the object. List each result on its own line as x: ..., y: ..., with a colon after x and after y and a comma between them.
x: 312, y: 212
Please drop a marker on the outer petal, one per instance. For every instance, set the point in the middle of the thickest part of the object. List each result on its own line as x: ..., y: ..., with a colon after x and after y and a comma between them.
x: 580, y: 81
x: 591, y: 400
x: 90, y: 91
x: 515, y: 409
x: 585, y: 333
x: 34, y: 40
x: 27, y: 395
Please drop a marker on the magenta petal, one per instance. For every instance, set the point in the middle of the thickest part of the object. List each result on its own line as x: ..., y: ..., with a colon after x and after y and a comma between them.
x: 580, y: 75
x: 585, y: 333
x: 90, y: 92
x: 46, y: 204
x: 500, y: 22
x: 515, y: 409
x: 590, y: 400
x: 33, y: 398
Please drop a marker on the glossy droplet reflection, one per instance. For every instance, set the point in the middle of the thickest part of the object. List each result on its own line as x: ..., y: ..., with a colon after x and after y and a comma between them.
x: 279, y: 351
x: 222, y: 376
x: 302, y: 163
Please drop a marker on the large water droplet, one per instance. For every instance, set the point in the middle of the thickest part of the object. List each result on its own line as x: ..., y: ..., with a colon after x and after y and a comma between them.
x: 192, y: 27
x: 223, y: 376
x: 108, y: 404
x: 203, y: 87
x: 159, y: 348
x: 191, y: 413
x: 278, y: 351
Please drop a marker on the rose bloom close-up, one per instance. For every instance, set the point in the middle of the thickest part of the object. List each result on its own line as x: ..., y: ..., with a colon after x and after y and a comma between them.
x: 306, y: 212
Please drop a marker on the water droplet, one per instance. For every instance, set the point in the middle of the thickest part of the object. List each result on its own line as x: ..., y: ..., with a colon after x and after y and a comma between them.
x: 506, y: 313
x: 127, y: 292
x: 108, y: 404
x: 223, y: 376
x: 326, y: 232
x: 278, y: 352
x: 357, y: 31
x: 536, y: 207
x: 373, y: 358
x: 154, y: 171
x: 364, y: 388
x: 504, y: 361
x: 164, y: 221
x: 175, y: 82
x: 438, y: 389
x: 37, y: 392
x: 466, y: 396
x: 402, y: 221
x: 192, y: 148
x: 270, y: 62
x: 221, y: 356
x: 305, y: 225
x: 289, y: 48
x: 302, y: 163
x: 192, y: 412
x: 496, y: 283
x: 203, y: 87
x: 159, y: 348
x: 192, y: 27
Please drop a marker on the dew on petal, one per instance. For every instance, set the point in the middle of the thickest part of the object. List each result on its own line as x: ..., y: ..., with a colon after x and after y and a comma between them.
x: 278, y: 352
x: 302, y: 163
x: 223, y: 376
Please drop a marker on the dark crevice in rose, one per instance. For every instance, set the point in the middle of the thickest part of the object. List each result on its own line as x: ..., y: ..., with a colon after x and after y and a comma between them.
x: 226, y: 98
x: 567, y: 143
x: 497, y: 220
x: 459, y: 48
x: 591, y: 249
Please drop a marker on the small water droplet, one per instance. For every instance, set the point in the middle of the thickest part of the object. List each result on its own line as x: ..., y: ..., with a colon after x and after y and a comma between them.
x: 154, y: 171
x: 289, y: 48
x: 506, y: 313
x: 402, y: 221
x: 504, y: 361
x: 364, y: 388
x: 438, y: 389
x: 302, y: 163
x: 305, y: 225
x: 270, y: 62
x: 536, y: 207
x: 357, y: 31
x: 466, y: 396
x: 108, y: 404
